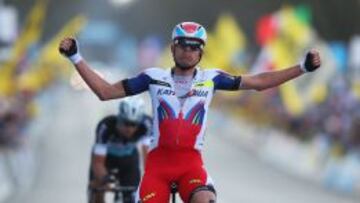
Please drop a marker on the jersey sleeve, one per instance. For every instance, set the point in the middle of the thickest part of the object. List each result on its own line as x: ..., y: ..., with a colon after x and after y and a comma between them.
x: 101, y: 132
x: 145, y: 141
x: 145, y: 131
x: 225, y: 81
x: 102, y: 129
x: 100, y: 147
x: 136, y: 85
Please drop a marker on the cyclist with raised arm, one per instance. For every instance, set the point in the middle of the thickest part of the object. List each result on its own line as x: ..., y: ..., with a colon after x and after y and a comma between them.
x: 115, y: 154
x: 180, y: 100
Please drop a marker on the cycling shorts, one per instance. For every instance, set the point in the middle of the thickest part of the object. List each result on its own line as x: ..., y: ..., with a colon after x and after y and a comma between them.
x: 166, y: 166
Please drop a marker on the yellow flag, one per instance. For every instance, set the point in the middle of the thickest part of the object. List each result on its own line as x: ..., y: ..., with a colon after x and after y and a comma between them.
x: 224, y: 43
x: 294, y: 28
x: 212, y: 57
x: 229, y: 35
x: 283, y: 57
x: 293, y: 36
x: 50, y: 64
x: 166, y: 59
x: 30, y: 34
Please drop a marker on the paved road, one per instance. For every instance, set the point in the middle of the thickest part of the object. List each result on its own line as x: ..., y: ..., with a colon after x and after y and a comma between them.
x: 238, y: 174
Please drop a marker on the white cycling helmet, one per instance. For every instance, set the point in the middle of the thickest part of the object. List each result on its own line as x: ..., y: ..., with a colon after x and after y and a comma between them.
x: 131, y: 109
x: 190, y: 30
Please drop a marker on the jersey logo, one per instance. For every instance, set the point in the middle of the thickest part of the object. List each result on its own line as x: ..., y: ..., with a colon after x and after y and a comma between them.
x: 199, y: 93
x: 165, y: 92
x: 148, y: 196
x: 159, y: 82
x: 195, y: 181
x: 194, y: 92
x: 207, y: 83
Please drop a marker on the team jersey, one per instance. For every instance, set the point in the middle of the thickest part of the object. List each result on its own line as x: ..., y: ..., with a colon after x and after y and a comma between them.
x: 179, y: 121
x: 110, y: 142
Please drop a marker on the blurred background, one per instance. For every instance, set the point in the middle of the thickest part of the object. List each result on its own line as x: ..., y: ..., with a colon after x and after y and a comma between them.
x: 296, y: 143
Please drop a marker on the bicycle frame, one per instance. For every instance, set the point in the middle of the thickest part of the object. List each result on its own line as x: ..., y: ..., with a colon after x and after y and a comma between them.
x: 174, y: 190
x: 113, y: 186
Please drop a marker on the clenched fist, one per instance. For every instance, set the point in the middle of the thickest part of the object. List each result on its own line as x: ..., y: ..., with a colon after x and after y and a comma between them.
x: 311, y: 61
x: 69, y: 48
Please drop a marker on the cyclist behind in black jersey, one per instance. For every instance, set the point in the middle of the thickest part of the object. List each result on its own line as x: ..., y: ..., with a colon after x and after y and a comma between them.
x: 119, y: 138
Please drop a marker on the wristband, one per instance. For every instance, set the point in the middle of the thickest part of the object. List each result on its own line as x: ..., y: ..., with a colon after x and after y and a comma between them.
x: 302, y: 67
x: 76, y: 58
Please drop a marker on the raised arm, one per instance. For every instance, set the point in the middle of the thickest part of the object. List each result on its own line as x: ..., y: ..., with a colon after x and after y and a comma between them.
x: 271, y: 79
x: 104, y: 90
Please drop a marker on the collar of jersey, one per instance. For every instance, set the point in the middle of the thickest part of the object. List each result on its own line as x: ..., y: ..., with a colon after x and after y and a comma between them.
x: 194, y: 74
x: 190, y: 93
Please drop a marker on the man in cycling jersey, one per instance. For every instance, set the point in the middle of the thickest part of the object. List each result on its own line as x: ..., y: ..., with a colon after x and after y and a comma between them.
x: 180, y: 100
x: 115, y: 152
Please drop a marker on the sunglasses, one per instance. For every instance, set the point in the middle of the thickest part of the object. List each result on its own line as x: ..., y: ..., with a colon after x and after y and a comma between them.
x: 193, y: 45
x: 128, y: 123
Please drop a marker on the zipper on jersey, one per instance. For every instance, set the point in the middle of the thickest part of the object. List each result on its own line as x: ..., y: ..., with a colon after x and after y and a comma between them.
x: 179, y: 127
x: 181, y: 115
x: 185, y: 97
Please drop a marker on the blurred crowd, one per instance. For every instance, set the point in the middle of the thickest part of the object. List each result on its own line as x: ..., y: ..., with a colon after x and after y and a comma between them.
x: 15, y: 114
x: 321, y: 104
x: 28, y: 67
x: 337, y: 118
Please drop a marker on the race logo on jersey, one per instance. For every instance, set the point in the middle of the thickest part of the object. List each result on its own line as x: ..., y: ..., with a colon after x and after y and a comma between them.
x: 198, y: 93
x: 195, y: 92
x: 191, y: 93
x: 162, y: 91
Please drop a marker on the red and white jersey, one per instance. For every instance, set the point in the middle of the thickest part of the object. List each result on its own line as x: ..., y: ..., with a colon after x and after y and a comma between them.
x: 180, y: 120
